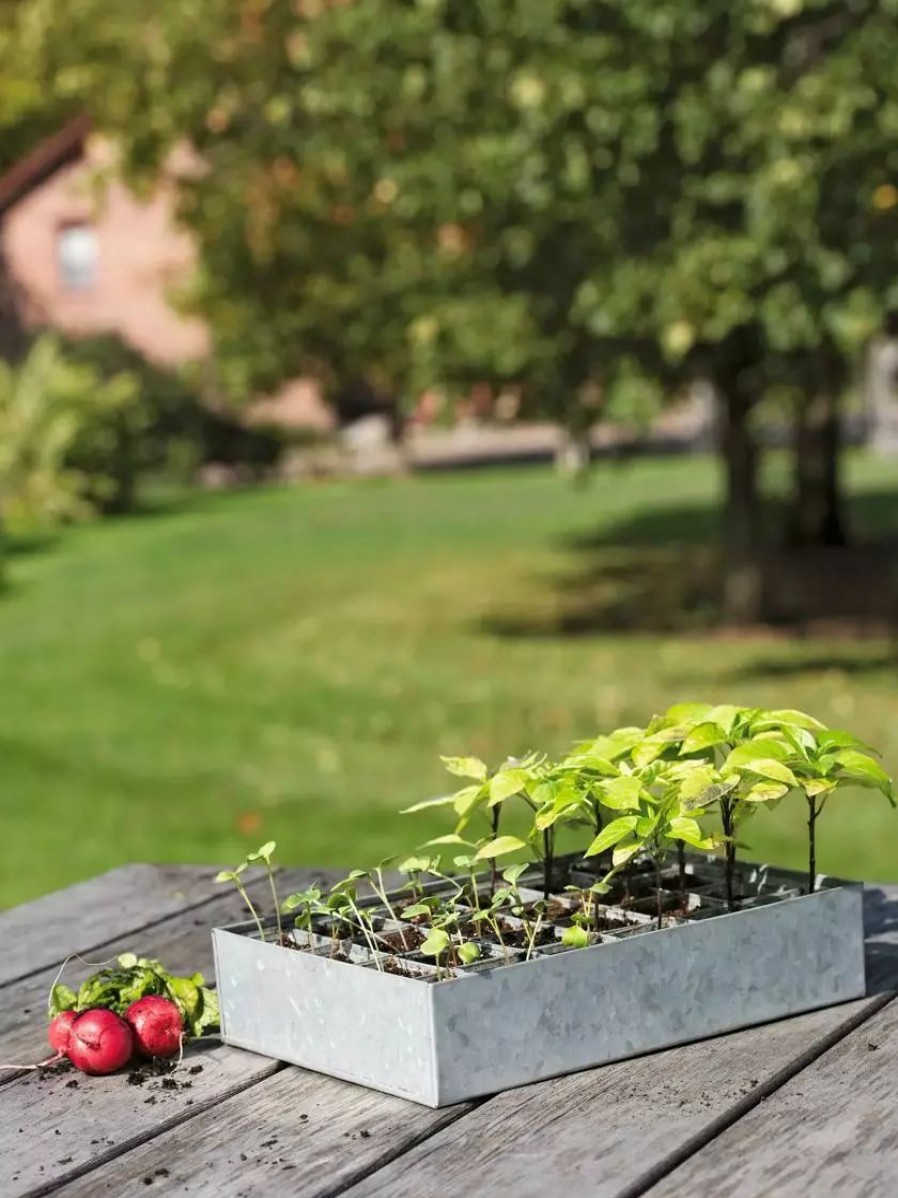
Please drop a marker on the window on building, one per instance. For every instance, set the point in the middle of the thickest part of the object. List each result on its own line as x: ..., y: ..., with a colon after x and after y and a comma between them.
x: 76, y: 256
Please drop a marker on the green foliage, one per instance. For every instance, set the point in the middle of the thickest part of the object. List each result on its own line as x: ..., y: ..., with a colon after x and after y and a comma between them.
x: 59, y: 424
x: 548, y: 193
x: 647, y: 791
x: 136, y: 977
x: 235, y: 876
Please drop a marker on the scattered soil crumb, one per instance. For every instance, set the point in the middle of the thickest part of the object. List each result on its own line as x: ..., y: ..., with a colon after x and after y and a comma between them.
x: 365, y: 1134
x: 270, y: 1143
x: 66, y: 1160
x: 195, y: 1069
x: 72, y: 1085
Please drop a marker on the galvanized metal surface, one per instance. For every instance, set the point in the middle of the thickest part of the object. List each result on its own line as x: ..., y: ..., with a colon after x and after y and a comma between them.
x: 493, y: 1028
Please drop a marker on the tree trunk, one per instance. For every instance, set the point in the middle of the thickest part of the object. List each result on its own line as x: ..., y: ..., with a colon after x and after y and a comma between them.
x: 742, y: 501
x: 816, y: 515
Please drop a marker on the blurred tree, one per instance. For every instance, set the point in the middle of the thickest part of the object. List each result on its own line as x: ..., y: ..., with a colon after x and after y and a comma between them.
x: 590, y: 200
x: 59, y: 429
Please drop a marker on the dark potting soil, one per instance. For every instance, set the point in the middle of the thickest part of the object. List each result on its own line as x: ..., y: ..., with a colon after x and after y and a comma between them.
x: 512, y: 935
x: 602, y: 924
x: 404, y: 941
x: 161, y: 1071
x: 554, y: 912
x: 391, y: 965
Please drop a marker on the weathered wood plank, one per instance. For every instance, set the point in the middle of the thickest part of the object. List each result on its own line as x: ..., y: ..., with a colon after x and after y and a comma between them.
x: 611, y: 1131
x: 598, y: 1132
x: 296, y: 1133
x: 70, y: 1129
x: 82, y: 916
x: 830, y: 1130
x: 49, y: 1132
x: 181, y: 942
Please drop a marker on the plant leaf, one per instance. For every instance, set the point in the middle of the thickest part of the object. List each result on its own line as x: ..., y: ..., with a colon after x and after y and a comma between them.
x: 499, y: 847
x: 468, y: 952
x: 575, y: 937
x: 466, y: 767
x: 512, y: 872
x: 688, y: 713
x: 766, y: 792
x: 62, y: 998
x: 507, y: 783
x: 612, y: 834
x: 624, y: 852
x: 468, y: 798
x: 817, y: 786
x: 621, y: 794
x: 689, y: 830
x: 790, y: 716
x: 437, y: 942
x: 864, y: 771
x: 440, y: 801
x: 704, y: 736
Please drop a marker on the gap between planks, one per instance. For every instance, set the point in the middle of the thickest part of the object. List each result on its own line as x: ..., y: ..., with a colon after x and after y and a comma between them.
x: 192, y: 905
x: 762, y: 1092
x: 171, y: 930
x: 125, y: 1146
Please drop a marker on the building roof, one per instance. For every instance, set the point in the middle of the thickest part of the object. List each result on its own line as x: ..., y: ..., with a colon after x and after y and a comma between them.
x: 47, y: 157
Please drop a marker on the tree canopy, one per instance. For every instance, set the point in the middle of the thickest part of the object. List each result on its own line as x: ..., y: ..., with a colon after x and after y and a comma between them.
x: 591, y: 201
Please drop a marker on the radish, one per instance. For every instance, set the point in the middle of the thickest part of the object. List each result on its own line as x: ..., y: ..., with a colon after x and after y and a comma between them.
x: 157, y: 1026
x: 60, y: 1030
x: 100, y: 1042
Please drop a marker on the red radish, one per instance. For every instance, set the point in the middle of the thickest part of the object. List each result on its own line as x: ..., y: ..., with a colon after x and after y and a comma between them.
x: 157, y: 1026
x: 60, y: 1030
x: 100, y: 1042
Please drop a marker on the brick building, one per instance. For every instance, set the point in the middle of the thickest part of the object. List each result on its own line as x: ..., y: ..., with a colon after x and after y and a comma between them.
x: 83, y: 255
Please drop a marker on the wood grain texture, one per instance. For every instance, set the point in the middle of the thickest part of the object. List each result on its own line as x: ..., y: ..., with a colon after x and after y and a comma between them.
x: 70, y: 1129
x: 599, y: 1132
x: 79, y: 918
x: 182, y: 942
x: 606, y: 1132
x: 49, y: 1131
x: 296, y: 1133
x: 831, y: 1130
x: 239, y: 1129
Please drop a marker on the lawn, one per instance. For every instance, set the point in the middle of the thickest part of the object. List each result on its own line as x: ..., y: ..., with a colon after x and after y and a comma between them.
x: 290, y: 663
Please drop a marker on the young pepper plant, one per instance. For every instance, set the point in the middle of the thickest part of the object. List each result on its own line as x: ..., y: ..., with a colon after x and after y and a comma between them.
x: 653, y: 817
x: 485, y: 795
x: 822, y: 761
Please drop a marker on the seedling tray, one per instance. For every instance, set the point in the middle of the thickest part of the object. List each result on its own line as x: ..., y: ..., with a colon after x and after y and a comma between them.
x: 504, y: 1022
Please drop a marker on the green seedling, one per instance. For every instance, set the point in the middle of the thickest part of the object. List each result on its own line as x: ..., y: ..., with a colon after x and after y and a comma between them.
x: 234, y: 876
x: 265, y: 854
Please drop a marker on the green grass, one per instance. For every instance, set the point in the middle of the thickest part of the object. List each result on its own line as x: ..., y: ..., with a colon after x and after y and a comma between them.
x: 290, y: 663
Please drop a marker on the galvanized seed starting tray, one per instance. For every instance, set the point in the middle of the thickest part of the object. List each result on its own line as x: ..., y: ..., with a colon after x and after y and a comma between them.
x: 374, y: 1010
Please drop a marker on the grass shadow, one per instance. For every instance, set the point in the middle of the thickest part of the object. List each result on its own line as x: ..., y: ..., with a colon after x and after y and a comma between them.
x: 850, y: 663
x: 660, y: 570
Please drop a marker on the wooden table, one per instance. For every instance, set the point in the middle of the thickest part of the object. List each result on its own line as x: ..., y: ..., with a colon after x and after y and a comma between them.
x: 808, y: 1106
